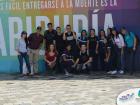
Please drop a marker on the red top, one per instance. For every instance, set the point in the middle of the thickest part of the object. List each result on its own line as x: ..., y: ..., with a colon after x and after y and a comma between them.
x: 50, y: 57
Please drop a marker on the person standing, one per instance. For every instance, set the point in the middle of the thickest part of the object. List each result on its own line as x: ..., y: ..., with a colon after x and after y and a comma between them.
x: 35, y: 42
x: 82, y: 39
x: 102, y: 48
x: 21, y: 49
x: 60, y: 46
x: 118, y: 43
x: 60, y: 43
x: 93, y: 45
x: 49, y: 35
x: 70, y: 38
x: 130, y: 49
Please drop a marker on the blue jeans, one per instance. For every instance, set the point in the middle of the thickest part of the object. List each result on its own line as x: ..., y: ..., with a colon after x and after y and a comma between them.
x: 21, y: 57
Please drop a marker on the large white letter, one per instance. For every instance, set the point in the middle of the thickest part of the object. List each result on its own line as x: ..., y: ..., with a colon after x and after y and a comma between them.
x: 40, y: 19
x: 56, y: 21
x: 83, y: 25
x: 29, y: 24
x: 15, y: 29
x: 108, y: 22
x: 66, y: 20
x: 95, y: 22
x: 2, y: 41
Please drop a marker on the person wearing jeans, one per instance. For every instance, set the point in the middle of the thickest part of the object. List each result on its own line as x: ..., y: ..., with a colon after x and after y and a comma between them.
x: 130, y: 49
x: 118, y: 43
x: 35, y: 42
x: 22, y: 52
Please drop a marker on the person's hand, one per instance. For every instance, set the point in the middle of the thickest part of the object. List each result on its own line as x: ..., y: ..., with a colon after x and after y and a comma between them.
x: 134, y: 48
x: 49, y: 63
x: 65, y: 31
x: 84, y: 64
x: 96, y: 51
x: 106, y: 59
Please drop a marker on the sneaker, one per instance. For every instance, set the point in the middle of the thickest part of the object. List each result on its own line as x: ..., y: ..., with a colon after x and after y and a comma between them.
x: 67, y: 73
x: 121, y: 72
x: 114, y: 72
x: 109, y: 72
x: 84, y: 67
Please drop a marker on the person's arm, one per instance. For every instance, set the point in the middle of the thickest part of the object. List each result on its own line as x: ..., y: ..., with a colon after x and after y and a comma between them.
x: 17, y: 47
x: 88, y: 45
x: 122, y: 43
x: 76, y: 62
x: 65, y: 59
x: 135, y: 43
x: 45, y: 38
x: 89, y: 61
x: 64, y: 56
x: 30, y: 37
x: 74, y: 35
x: 78, y: 42
x: 42, y: 38
x: 108, y: 54
x: 46, y: 60
x: 41, y: 41
x: 97, y: 46
x: 64, y: 35
x: 54, y: 40
x: 55, y: 58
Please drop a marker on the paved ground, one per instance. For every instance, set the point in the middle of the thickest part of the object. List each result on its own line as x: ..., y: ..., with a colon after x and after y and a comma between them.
x: 96, y: 89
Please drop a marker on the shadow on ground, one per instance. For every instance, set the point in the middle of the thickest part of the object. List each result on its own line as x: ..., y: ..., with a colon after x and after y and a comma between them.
x: 94, y: 75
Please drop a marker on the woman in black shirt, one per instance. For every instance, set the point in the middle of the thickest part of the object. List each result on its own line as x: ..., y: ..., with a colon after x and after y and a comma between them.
x: 83, y: 38
x: 93, y: 45
x: 102, y: 48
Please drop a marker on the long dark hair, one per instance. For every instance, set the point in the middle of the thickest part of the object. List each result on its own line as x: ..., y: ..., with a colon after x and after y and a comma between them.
x: 48, y: 50
x: 90, y: 31
x: 82, y: 32
x: 103, y: 32
x: 26, y: 38
x: 117, y: 34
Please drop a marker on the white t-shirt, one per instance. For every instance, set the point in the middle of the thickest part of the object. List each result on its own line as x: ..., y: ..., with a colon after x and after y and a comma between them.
x: 21, y: 46
x: 119, y: 41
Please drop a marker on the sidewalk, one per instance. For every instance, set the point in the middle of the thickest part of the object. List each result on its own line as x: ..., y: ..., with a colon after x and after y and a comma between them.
x: 96, y: 89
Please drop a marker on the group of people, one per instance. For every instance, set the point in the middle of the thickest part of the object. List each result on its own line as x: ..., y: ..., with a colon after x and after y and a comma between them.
x: 67, y: 53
